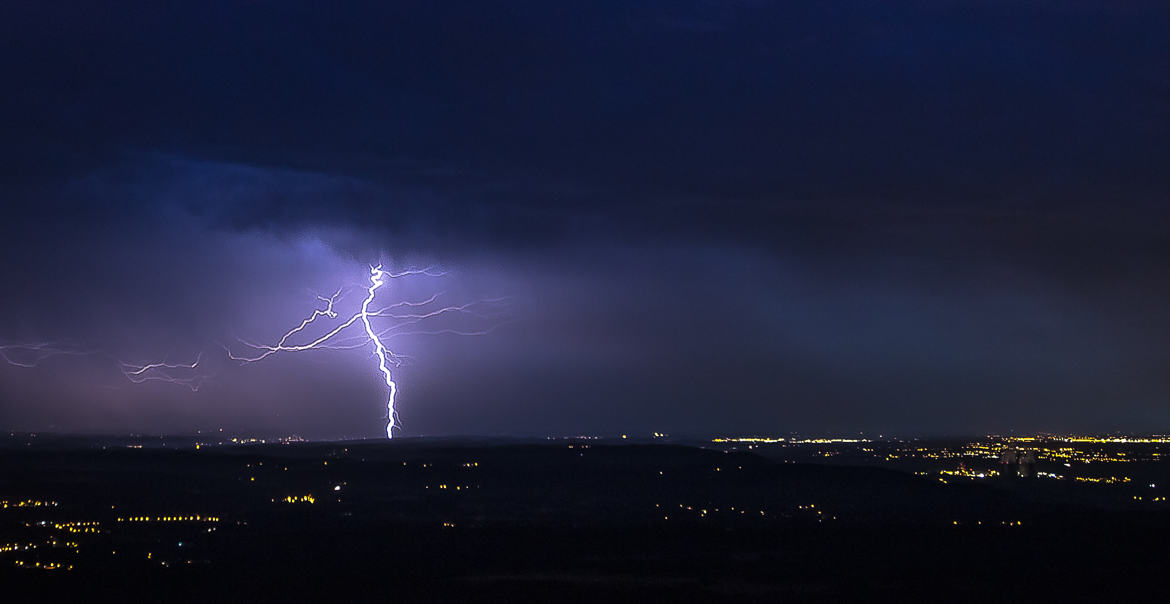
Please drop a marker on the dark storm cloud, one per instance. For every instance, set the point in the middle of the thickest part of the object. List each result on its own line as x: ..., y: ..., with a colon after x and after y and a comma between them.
x: 563, y: 106
x: 713, y: 215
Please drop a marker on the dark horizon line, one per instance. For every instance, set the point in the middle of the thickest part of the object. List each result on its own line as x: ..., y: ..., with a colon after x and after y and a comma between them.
x: 663, y: 437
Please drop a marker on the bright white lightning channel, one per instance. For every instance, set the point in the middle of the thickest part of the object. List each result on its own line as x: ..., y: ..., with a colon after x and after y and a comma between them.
x: 334, y: 339
x: 379, y: 348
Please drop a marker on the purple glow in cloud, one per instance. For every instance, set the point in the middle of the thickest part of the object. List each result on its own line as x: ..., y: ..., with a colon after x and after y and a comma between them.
x: 376, y: 325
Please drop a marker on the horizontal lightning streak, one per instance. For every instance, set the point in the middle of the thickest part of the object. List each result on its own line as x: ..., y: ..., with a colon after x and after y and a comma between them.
x: 32, y: 355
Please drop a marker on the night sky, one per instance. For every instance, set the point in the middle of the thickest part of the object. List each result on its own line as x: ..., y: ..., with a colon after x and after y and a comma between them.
x: 706, y: 217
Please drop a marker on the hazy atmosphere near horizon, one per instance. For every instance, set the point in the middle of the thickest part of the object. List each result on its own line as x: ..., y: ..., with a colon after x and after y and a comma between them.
x: 694, y: 217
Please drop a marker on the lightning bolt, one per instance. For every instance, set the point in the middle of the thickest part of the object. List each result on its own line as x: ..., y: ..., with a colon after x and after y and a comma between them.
x: 338, y: 338
x: 32, y: 355
x: 380, y: 349
x: 160, y: 372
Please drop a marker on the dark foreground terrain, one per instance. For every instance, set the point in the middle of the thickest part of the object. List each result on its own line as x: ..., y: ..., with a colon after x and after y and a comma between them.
x: 434, y: 520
